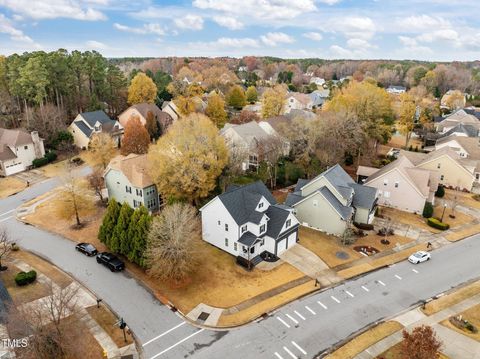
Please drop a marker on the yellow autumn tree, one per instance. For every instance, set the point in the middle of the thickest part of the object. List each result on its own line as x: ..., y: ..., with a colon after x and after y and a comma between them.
x: 186, y: 162
x: 142, y: 89
x: 103, y: 148
x: 216, y: 110
x: 406, y: 116
x: 273, y: 101
x: 185, y: 104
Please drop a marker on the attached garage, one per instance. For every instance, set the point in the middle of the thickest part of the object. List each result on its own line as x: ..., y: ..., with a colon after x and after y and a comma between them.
x: 12, y: 168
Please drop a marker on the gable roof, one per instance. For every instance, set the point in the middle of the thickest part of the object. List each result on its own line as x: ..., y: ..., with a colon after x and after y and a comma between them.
x: 134, y: 167
x: 250, y: 132
x: 364, y: 197
x: 344, y: 211
x: 87, y: 131
x: 241, y: 201
x: 95, y: 116
x: 278, y: 216
x: 471, y: 130
x: 470, y: 144
x: 12, y: 138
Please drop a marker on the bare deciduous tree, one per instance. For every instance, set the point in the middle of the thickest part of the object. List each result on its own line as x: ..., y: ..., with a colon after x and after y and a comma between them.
x: 96, y: 182
x: 171, y: 247
x: 270, y: 151
x: 421, y: 343
x: 5, y: 246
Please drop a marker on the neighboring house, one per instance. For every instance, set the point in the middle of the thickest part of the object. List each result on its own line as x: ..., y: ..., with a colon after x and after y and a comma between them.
x: 127, y: 180
x: 465, y: 147
x: 453, y: 99
x: 447, y: 123
x: 317, y: 81
x: 454, y: 171
x: 332, y: 201
x: 86, y: 124
x: 396, y: 89
x: 247, y: 140
x: 172, y: 109
x: 297, y: 101
x: 303, y: 114
x: 246, y: 222
x: 318, y: 97
x: 18, y: 149
x: 401, y: 185
x: 465, y: 130
x: 141, y: 110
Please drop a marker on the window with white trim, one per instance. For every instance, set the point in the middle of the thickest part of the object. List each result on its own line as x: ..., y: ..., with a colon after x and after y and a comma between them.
x: 396, y: 184
x: 226, y: 227
x: 244, y: 228
x: 226, y: 242
x: 262, y: 228
x: 235, y: 246
x: 385, y: 181
x: 386, y: 194
x: 289, y: 223
x: 438, y: 165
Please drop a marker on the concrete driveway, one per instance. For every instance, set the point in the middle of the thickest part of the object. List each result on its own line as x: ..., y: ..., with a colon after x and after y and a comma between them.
x: 31, y: 177
x: 304, y: 260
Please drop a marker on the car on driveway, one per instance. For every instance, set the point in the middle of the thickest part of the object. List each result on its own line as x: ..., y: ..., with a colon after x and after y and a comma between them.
x: 110, y: 261
x: 418, y: 257
x: 87, y: 249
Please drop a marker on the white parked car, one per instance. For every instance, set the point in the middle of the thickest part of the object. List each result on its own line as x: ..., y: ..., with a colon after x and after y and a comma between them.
x: 418, y: 257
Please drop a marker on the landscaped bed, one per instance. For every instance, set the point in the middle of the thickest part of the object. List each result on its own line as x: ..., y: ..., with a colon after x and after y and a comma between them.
x: 22, y: 294
x: 472, y: 316
x: 395, y: 352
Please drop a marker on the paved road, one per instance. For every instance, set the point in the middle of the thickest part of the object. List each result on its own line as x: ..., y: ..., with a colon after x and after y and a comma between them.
x: 303, y: 329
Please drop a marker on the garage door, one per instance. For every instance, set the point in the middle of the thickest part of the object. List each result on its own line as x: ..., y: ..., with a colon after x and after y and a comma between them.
x: 282, y: 246
x: 11, y: 169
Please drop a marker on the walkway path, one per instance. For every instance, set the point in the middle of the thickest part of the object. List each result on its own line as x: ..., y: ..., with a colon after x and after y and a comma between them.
x: 455, y: 345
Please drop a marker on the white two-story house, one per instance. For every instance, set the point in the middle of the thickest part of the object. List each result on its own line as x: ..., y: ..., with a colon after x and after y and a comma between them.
x: 246, y: 222
x: 87, y: 124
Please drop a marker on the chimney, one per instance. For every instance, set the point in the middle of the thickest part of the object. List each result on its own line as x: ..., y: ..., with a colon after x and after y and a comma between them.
x: 37, y: 144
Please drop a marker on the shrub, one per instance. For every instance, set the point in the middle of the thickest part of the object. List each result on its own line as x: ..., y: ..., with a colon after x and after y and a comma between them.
x: 364, y: 226
x: 435, y: 223
x: 24, y: 278
x: 39, y: 162
x: 77, y: 161
x: 440, y: 192
x: 476, y: 197
x: 51, y: 156
x: 427, y: 210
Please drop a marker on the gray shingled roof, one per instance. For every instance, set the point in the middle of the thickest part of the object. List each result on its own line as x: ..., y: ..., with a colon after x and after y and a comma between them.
x: 301, y: 182
x: 293, y: 198
x: 469, y: 130
x: 247, y: 239
x: 278, y: 216
x: 83, y: 127
x: 242, y: 201
x: 92, y: 117
x: 364, y: 195
x: 345, y: 212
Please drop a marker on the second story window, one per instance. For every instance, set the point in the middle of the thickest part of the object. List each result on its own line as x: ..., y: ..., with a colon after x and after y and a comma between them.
x: 244, y: 228
x: 396, y: 184
x: 25, y: 147
x: 262, y: 228
x: 385, y: 182
x: 128, y: 189
x: 289, y: 223
x: 226, y: 227
x: 139, y: 192
x: 438, y: 165
x: 260, y: 205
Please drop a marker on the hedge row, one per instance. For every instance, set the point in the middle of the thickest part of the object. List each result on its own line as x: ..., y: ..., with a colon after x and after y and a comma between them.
x: 50, y: 156
x: 435, y: 223
x: 24, y: 278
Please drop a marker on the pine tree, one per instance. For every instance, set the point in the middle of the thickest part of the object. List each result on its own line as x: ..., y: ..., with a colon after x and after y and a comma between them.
x: 120, y: 242
x: 109, y: 222
x: 137, y: 232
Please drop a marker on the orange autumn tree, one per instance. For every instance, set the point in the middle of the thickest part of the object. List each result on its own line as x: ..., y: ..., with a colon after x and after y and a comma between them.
x: 135, y: 138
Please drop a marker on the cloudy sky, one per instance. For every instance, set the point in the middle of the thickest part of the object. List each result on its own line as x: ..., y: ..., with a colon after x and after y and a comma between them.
x: 355, y: 29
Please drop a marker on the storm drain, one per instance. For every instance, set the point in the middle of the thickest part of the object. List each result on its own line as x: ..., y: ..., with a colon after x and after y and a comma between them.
x: 203, y: 317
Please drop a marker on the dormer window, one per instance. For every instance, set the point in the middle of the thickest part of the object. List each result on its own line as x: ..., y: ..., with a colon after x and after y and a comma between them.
x: 97, y: 128
x: 260, y: 205
x: 289, y: 223
x: 244, y: 228
x: 385, y: 182
x: 262, y: 228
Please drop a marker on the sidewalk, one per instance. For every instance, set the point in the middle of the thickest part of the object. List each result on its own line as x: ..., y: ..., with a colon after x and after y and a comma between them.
x: 455, y: 345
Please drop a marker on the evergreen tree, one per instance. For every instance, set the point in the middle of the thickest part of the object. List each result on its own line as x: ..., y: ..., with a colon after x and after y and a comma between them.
x: 119, y: 242
x: 236, y: 97
x: 137, y: 234
x: 109, y: 222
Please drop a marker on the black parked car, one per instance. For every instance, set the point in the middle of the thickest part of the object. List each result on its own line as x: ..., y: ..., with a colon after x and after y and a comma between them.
x: 87, y: 249
x: 110, y: 261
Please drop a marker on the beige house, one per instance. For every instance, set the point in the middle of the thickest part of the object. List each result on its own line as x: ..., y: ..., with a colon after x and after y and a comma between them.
x: 454, y: 171
x: 172, y: 109
x: 18, y: 149
x: 401, y: 185
x: 141, y: 110
x: 87, y: 124
x: 332, y: 201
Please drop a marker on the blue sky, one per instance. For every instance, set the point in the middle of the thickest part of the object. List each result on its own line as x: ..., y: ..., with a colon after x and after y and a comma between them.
x: 355, y: 29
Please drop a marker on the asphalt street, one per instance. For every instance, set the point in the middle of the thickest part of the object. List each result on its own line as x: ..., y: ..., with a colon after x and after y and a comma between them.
x: 302, y: 329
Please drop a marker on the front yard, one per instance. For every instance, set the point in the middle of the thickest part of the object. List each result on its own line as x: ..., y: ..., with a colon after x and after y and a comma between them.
x: 10, y: 186
x: 473, y: 316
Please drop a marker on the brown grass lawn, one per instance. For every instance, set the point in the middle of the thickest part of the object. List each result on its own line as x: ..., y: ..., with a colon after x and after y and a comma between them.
x: 459, y: 220
x: 398, y: 141
x: 473, y: 316
x: 10, y: 186
x: 23, y: 294
x: 280, y: 196
x: 325, y: 246
x: 44, y: 267
x: 365, y: 340
x: 414, y: 220
x: 466, y: 199
x: 107, y: 320
x: 395, y: 352
x: 218, y: 281
x: 374, y: 241
x: 451, y: 299
x: 463, y: 233
x: 86, y: 346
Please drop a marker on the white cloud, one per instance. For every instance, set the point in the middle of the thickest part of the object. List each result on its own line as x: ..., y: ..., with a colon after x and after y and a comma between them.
x: 6, y: 27
x: 236, y: 42
x: 145, y: 29
x: 353, y: 27
x: 315, y: 36
x: 439, y: 35
x: 228, y: 22
x: 359, y: 44
x: 341, y: 51
x: 275, y: 38
x: 52, y: 9
x: 265, y: 9
x: 407, y: 41
x: 330, y: 2
x: 96, y: 45
x: 422, y: 23
x: 189, y: 22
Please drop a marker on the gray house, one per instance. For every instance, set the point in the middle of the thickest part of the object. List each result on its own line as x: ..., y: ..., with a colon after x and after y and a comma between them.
x: 332, y: 201
x: 127, y: 180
